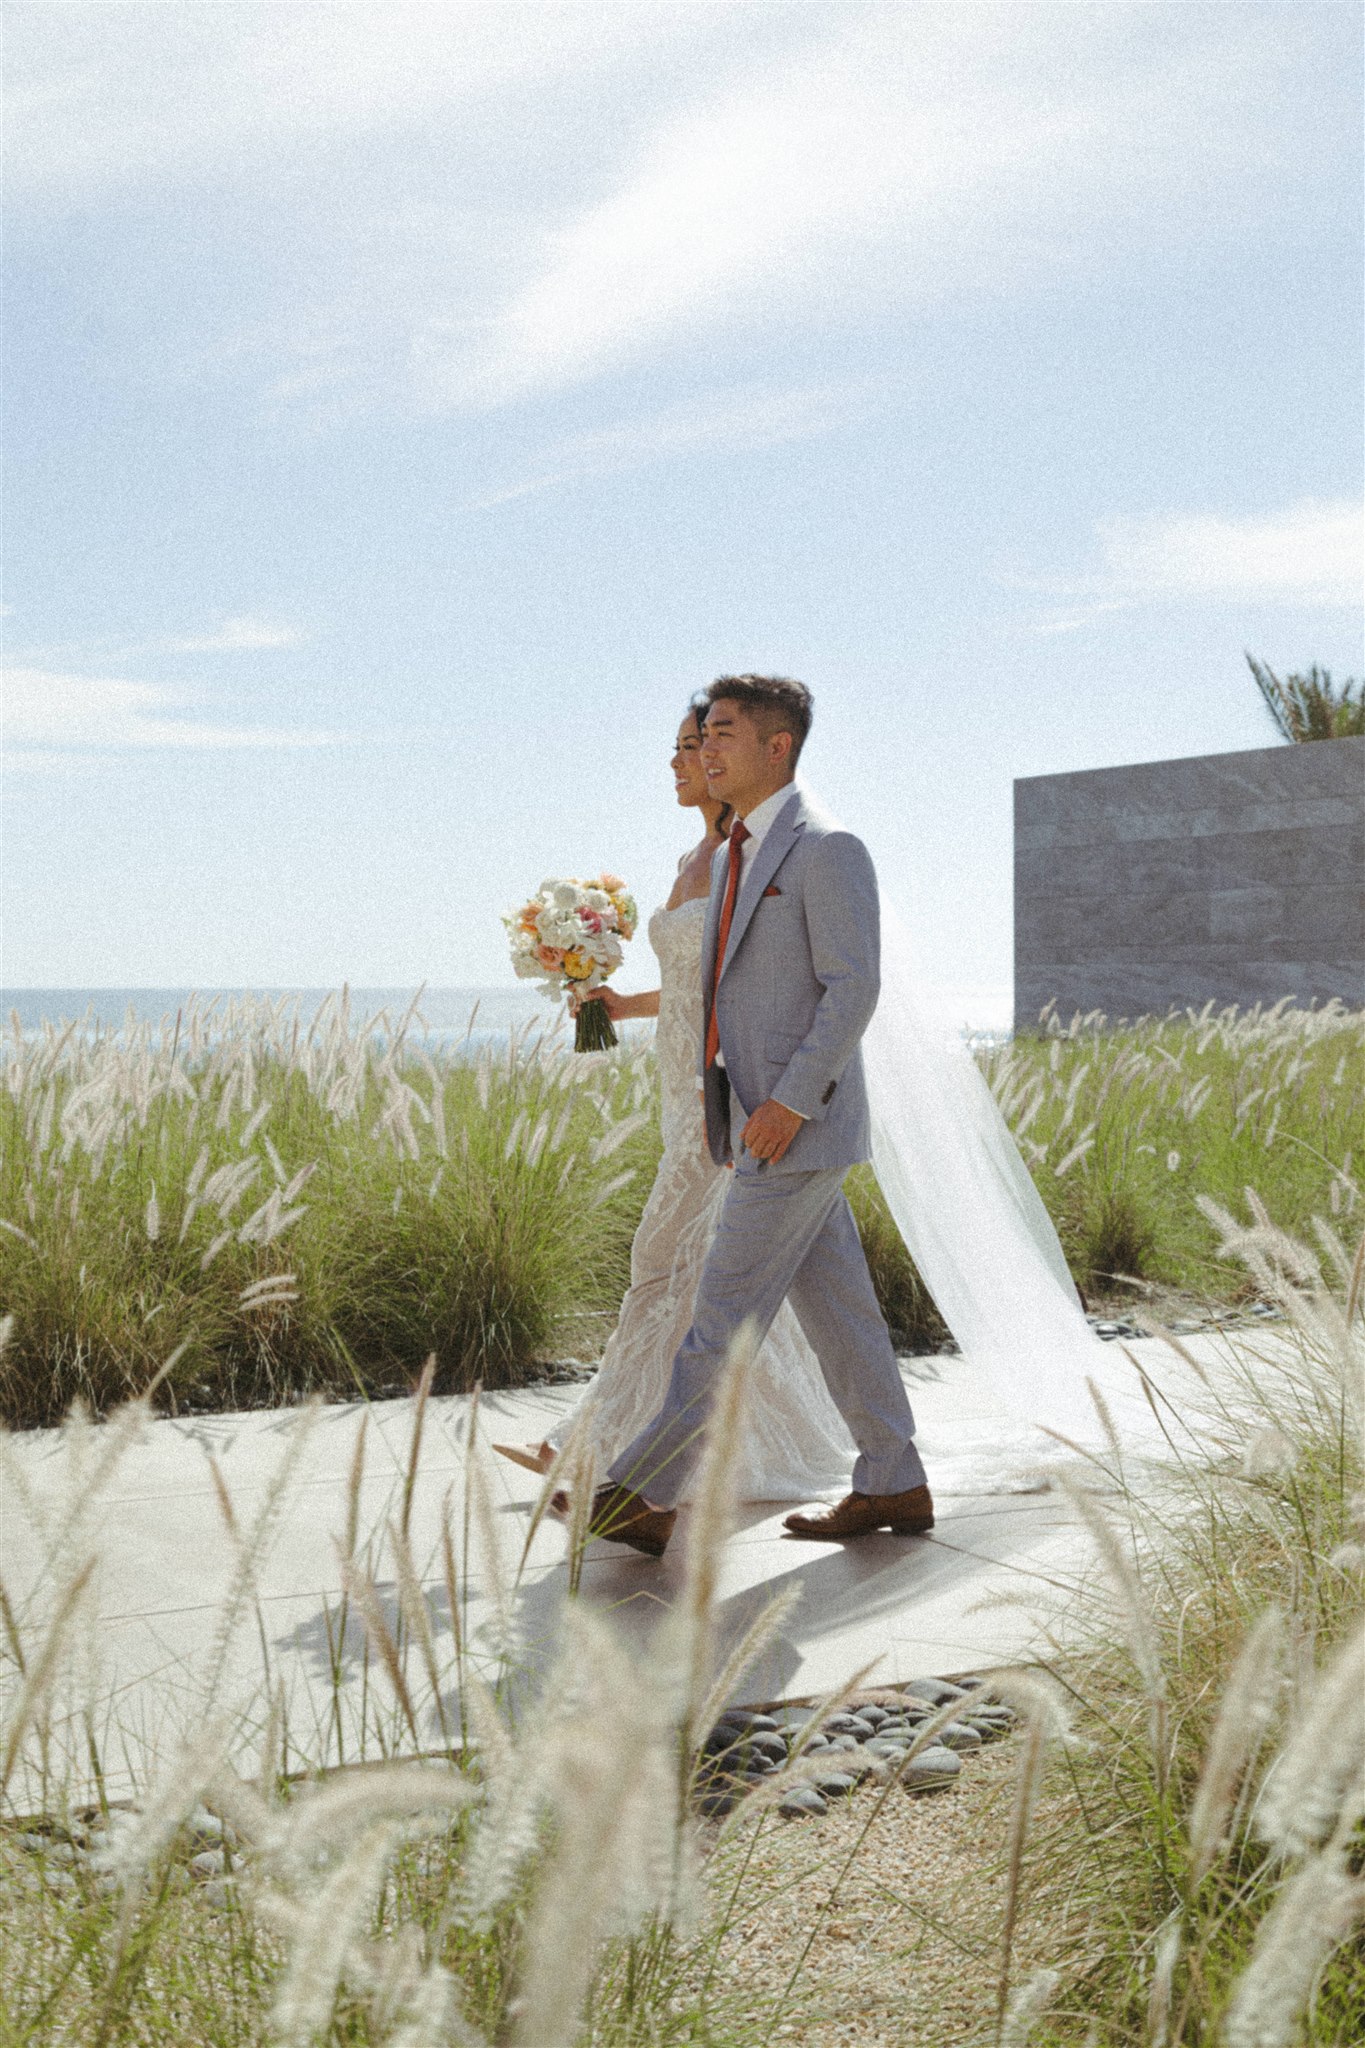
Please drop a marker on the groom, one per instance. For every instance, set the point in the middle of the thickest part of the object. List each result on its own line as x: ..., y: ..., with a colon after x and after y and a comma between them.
x: 790, y: 979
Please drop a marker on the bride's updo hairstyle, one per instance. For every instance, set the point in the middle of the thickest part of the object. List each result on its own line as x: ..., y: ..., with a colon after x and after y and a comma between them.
x: 697, y: 710
x: 775, y: 703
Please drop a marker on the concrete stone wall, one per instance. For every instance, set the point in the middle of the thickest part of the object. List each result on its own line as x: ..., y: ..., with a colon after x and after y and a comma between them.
x: 1236, y: 877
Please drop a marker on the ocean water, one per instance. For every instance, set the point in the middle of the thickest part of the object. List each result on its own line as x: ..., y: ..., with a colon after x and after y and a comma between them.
x: 445, y: 1016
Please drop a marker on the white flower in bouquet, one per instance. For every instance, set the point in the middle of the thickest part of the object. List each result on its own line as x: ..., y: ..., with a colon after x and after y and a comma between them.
x: 570, y: 935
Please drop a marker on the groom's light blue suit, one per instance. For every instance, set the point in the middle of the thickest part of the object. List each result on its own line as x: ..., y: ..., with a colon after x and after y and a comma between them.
x: 796, y: 990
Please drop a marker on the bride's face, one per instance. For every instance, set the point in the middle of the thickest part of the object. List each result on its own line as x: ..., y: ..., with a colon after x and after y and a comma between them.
x: 689, y: 777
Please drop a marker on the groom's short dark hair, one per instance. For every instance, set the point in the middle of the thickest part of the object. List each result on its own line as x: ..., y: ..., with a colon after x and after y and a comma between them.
x: 775, y: 703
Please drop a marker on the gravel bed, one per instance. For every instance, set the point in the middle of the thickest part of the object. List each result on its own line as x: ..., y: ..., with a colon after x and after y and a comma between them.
x: 906, y: 1957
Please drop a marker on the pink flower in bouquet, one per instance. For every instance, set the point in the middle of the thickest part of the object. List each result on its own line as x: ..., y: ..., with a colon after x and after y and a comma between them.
x: 550, y: 956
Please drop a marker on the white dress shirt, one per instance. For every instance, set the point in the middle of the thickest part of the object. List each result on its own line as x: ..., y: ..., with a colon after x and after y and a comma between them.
x: 758, y: 823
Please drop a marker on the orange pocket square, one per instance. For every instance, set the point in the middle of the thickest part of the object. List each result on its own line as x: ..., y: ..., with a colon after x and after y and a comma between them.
x: 772, y: 890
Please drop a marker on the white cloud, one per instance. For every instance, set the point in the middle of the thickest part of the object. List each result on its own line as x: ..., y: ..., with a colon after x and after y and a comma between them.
x: 915, y: 153
x: 98, y: 96
x: 746, y: 418
x: 464, y: 205
x: 1311, y: 553
x: 43, y: 710
x: 246, y: 635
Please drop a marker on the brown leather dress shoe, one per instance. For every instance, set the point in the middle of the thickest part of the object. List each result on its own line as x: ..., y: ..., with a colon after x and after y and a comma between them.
x: 623, y: 1517
x: 858, y: 1514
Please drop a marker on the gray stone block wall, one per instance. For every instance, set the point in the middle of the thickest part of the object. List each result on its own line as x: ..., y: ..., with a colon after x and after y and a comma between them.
x: 1233, y: 877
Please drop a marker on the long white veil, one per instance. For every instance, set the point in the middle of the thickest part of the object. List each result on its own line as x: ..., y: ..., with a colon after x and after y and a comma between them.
x: 972, y: 1219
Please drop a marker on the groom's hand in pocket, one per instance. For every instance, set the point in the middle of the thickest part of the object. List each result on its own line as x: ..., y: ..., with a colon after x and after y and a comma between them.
x: 770, y: 1130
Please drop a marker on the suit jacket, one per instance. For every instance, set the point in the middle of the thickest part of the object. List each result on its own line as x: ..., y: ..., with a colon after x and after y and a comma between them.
x: 797, y: 989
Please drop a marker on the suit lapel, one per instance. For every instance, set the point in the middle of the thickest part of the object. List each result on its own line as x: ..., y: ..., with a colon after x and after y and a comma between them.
x: 781, y: 838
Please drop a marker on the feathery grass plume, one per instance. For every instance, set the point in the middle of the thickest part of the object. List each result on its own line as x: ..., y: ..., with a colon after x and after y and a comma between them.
x: 1355, y: 1292
x: 355, y: 1480
x: 253, y: 1546
x: 268, y: 1293
x: 168, y: 1803
x: 766, y: 1625
x: 1132, y: 1605
x: 40, y: 1672
x: 91, y: 1458
x: 610, y: 1799
x: 1164, y: 1959
x: 362, y: 1590
x: 431, y: 2016
x: 419, y: 1416
x: 688, y: 1635
x: 322, y: 1934
x: 412, y: 1602
x: 581, y: 1482
x: 1028, y: 2004
x: 1315, y: 1911
x: 1032, y: 1693
x: 450, y: 1579
x: 511, y: 1774
x: 1244, y: 1714
x: 479, y: 1499
x: 328, y: 1815
x: 1316, y: 1785
x: 1027, y: 1785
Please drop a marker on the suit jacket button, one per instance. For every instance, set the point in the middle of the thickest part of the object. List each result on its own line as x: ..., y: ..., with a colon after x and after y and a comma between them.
x: 829, y: 1091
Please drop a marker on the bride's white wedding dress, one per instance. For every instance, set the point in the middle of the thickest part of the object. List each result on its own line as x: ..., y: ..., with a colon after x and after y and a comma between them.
x: 975, y: 1225
x: 796, y: 1444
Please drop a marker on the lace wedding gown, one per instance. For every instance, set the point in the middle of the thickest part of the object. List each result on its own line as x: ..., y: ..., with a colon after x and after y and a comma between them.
x: 796, y: 1444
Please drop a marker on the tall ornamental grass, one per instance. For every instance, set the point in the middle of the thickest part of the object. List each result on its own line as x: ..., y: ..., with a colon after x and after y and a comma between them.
x: 246, y: 1209
x: 1200, y: 1837
x: 1185, y: 1821
x: 1124, y: 1129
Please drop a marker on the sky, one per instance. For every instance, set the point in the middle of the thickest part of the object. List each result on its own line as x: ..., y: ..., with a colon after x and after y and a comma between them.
x: 409, y: 407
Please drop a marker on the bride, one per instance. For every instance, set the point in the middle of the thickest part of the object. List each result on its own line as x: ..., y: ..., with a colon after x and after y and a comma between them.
x: 796, y: 1443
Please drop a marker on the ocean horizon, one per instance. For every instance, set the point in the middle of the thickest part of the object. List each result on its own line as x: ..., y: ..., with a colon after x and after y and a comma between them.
x: 445, y: 1016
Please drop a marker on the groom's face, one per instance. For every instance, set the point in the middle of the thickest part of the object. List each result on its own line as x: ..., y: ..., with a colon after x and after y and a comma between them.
x: 742, y: 766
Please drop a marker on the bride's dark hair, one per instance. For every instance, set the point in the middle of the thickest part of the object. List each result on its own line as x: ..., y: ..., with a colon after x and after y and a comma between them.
x: 698, y: 708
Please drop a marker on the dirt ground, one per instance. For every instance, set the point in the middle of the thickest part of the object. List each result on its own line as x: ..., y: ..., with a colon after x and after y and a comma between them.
x: 907, y: 1953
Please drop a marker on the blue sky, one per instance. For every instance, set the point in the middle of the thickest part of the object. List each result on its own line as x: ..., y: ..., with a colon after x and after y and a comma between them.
x: 409, y: 406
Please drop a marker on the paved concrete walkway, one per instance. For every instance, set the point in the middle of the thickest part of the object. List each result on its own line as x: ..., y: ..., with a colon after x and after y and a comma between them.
x: 186, y: 1630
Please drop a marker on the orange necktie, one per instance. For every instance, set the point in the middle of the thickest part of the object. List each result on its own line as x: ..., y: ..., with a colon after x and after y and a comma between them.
x: 739, y: 833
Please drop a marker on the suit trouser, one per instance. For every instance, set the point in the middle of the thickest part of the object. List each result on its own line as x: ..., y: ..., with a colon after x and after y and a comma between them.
x: 784, y: 1236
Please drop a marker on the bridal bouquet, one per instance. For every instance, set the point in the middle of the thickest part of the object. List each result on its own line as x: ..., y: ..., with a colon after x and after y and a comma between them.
x: 570, y: 936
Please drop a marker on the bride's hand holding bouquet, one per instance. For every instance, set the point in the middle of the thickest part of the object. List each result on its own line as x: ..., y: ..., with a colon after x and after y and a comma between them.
x: 570, y: 937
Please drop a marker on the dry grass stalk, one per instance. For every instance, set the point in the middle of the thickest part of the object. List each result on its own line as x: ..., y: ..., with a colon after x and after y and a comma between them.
x: 1316, y: 1785
x: 1244, y: 1714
